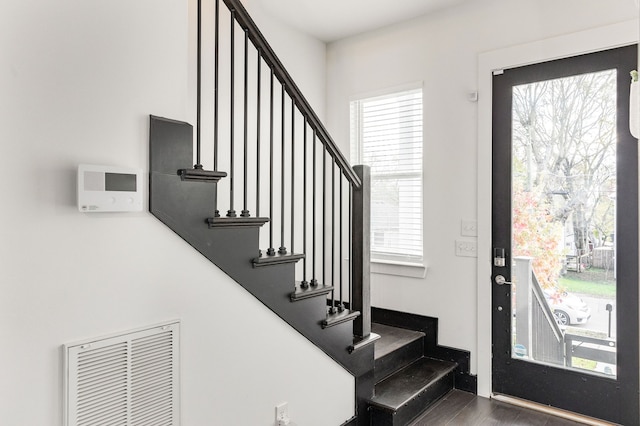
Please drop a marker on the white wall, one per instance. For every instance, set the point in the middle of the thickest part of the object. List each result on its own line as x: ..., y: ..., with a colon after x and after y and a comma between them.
x: 77, y: 82
x: 442, y: 50
x: 303, y: 56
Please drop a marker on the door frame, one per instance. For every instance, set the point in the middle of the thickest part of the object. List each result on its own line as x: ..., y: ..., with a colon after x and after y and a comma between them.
x: 588, y: 41
x: 610, y: 398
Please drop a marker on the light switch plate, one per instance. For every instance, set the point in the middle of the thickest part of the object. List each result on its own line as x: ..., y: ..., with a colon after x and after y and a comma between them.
x: 469, y: 228
x: 466, y: 248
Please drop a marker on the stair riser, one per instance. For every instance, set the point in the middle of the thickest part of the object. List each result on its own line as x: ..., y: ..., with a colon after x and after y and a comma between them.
x: 188, y: 206
x: 415, y: 407
x: 183, y: 206
x: 398, y: 359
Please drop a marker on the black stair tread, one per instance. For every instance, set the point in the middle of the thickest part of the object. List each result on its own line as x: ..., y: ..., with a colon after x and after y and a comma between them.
x: 201, y: 175
x: 339, y: 317
x: 216, y: 222
x: 265, y: 260
x: 311, y: 291
x: 406, y: 384
x: 392, y: 338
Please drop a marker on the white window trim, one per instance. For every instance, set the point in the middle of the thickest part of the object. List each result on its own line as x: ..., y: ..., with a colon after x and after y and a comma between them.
x: 388, y: 91
x: 400, y: 269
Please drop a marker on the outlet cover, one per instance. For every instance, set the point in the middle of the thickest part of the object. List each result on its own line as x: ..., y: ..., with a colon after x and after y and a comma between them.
x: 466, y: 248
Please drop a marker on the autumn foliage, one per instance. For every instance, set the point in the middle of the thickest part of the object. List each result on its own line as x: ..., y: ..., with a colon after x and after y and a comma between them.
x: 536, y: 235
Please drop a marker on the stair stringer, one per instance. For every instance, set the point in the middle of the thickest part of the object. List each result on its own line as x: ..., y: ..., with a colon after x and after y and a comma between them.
x: 184, y: 206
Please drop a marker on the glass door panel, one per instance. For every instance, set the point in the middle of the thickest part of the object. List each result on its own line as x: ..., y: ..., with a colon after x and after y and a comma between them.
x: 563, y: 222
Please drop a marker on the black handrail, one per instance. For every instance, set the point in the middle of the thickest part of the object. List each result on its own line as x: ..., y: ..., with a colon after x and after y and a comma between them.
x: 258, y: 40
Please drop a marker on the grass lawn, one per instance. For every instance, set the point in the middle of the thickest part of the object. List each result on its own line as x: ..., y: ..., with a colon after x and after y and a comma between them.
x: 585, y: 364
x: 593, y: 281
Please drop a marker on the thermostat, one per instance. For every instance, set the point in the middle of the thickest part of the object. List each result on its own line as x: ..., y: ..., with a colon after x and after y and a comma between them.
x: 109, y: 189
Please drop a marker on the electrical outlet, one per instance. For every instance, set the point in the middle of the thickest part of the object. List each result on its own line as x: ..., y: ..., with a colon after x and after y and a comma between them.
x: 466, y: 248
x: 282, y: 413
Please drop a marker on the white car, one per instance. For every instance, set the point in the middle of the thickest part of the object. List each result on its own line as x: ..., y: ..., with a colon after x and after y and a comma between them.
x: 568, y: 309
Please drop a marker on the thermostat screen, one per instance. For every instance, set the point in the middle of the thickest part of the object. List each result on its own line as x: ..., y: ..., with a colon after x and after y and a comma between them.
x: 119, y: 182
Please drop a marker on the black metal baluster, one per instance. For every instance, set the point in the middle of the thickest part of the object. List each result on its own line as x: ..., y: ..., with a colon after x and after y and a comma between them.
x: 197, y: 172
x: 314, y: 277
x: 245, y: 212
x: 271, y: 251
x: 198, y: 164
x: 340, y: 211
x: 350, y: 269
x: 216, y: 79
x: 333, y: 309
x: 258, y: 90
x: 231, y: 212
x: 324, y: 215
x: 282, y: 249
x: 304, y: 283
x: 293, y: 176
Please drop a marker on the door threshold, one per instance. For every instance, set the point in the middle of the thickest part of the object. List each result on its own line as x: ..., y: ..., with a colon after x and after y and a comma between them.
x: 550, y: 410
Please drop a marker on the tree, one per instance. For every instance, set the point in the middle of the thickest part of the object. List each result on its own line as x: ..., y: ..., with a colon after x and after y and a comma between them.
x: 536, y: 234
x: 564, y: 138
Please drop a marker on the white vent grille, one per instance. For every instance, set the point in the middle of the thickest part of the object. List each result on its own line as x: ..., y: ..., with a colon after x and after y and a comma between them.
x: 125, y: 380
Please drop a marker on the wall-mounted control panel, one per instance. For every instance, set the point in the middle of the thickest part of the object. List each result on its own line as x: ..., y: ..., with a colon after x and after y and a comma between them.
x: 109, y: 189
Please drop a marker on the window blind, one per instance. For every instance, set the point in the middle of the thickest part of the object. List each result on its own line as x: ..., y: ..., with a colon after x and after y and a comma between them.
x: 386, y: 134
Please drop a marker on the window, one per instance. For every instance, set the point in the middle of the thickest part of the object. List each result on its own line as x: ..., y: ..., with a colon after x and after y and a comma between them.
x: 386, y: 134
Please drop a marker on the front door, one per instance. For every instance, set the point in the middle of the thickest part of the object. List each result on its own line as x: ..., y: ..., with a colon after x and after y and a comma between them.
x: 565, y: 235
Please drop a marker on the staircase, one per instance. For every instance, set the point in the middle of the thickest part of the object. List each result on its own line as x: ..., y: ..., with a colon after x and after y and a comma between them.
x: 188, y: 208
x: 407, y: 383
x: 411, y: 370
x: 307, y: 259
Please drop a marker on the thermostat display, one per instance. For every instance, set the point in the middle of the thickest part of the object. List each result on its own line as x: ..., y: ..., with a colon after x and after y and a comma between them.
x: 120, y: 182
x: 109, y: 189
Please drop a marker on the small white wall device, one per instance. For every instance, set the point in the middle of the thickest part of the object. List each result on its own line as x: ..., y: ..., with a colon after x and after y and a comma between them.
x: 109, y: 189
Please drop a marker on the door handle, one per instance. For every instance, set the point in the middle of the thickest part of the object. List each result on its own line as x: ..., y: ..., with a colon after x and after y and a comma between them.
x: 501, y: 280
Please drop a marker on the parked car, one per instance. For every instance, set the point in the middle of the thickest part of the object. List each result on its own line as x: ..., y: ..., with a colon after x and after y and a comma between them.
x: 568, y: 309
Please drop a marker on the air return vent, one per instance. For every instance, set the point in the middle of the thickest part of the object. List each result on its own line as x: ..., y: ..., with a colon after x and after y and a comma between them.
x: 124, y: 380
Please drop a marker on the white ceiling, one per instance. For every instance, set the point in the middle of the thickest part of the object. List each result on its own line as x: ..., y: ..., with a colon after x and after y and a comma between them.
x: 330, y: 20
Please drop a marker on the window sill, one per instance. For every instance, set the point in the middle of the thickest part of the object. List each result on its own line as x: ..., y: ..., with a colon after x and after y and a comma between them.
x: 402, y: 269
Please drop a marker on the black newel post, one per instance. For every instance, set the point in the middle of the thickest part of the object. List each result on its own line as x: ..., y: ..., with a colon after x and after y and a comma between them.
x: 361, y: 253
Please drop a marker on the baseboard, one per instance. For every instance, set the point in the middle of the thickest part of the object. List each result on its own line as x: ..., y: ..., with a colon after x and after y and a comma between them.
x: 464, y: 380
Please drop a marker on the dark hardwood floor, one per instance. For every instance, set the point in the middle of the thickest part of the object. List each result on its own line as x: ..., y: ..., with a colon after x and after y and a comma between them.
x: 465, y: 409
